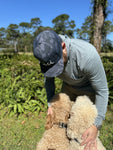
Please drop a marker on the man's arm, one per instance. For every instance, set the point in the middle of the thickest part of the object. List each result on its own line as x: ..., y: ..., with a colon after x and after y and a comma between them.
x: 97, y: 77
x: 96, y: 74
x: 50, y: 88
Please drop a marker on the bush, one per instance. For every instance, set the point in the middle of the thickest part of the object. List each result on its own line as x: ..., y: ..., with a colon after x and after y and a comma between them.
x: 21, y: 84
x: 108, y: 65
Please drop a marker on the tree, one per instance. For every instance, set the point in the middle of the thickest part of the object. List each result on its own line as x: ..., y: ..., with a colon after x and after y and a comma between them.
x: 62, y: 25
x: 35, y: 23
x: 85, y: 31
x: 25, y: 26
x: 13, y: 34
x: 107, y: 28
x: 107, y: 44
x: 40, y: 29
x: 99, y: 15
x: 107, y: 47
x: 2, y: 34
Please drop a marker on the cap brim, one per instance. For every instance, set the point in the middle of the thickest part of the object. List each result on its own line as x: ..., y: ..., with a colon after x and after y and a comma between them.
x: 55, y: 70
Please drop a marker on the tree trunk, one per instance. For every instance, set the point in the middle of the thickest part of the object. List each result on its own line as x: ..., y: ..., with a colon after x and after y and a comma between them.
x: 98, y: 22
x: 25, y: 48
x: 15, y: 47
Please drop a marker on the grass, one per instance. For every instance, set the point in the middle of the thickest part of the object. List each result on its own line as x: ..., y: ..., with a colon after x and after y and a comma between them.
x: 23, y: 132
x: 106, y: 133
x: 107, y: 54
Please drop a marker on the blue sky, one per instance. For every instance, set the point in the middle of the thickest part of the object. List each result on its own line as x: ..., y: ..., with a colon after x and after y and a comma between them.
x: 17, y: 11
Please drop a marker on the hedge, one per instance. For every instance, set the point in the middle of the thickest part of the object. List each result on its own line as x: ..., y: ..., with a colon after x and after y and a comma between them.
x: 22, y: 84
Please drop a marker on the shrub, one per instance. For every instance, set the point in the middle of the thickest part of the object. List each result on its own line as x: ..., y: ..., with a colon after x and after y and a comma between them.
x: 108, y: 65
x: 21, y: 84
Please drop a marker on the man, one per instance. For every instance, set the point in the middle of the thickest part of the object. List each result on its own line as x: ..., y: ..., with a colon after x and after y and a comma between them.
x: 78, y: 64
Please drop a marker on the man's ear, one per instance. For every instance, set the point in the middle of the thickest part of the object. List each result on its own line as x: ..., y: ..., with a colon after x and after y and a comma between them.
x: 63, y: 45
x: 64, y: 48
x: 64, y: 52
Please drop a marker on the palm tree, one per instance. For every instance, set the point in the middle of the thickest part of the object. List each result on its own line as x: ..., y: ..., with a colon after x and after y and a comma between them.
x: 99, y: 15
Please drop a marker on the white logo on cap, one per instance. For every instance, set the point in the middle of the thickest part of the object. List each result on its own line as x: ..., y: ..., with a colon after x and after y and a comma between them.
x: 48, y: 63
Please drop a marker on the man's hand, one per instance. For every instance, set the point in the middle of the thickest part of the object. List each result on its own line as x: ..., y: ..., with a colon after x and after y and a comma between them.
x: 50, y: 110
x: 89, y: 138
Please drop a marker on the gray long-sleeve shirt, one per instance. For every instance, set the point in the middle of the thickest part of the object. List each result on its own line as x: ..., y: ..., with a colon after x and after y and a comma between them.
x: 84, y: 70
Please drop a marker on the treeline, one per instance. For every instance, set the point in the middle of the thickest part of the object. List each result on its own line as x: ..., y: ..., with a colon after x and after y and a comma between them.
x: 95, y: 29
x: 20, y: 37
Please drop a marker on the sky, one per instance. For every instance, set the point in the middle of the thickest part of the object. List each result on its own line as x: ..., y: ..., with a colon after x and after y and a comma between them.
x: 17, y: 11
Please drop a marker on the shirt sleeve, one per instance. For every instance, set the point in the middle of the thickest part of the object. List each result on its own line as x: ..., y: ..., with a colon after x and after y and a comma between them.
x: 97, y: 78
x: 50, y: 88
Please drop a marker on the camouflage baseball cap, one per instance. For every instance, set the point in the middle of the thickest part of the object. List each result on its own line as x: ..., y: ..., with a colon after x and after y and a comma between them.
x: 48, y: 49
